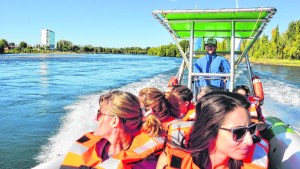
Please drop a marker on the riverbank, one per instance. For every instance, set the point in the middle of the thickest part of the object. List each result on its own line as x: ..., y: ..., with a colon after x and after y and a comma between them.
x: 282, y: 62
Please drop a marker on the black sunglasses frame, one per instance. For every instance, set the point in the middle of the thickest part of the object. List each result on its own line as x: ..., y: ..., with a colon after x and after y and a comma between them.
x: 240, y: 138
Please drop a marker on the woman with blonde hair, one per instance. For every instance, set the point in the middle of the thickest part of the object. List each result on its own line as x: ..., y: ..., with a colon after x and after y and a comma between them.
x: 119, y: 120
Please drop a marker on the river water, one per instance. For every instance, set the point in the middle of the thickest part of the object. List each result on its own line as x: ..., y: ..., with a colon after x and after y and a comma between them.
x: 48, y: 101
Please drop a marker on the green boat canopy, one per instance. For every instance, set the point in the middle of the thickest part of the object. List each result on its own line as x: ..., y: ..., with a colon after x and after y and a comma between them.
x: 231, y: 24
x: 215, y: 22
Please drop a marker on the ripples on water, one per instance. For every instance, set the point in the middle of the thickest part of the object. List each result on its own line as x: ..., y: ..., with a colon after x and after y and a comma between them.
x: 48, y: 101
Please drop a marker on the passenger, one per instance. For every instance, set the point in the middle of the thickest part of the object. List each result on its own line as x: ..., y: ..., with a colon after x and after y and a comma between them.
x: 217, y: 139
x: 159, y: 110
x: 256, y: 117
x: 211, y: 63
x: 160, y: 107
x: 243, y: 90
x: 119, y: 121
x: 206, y: 89
x: 184, y: 96
x: 255, y: 109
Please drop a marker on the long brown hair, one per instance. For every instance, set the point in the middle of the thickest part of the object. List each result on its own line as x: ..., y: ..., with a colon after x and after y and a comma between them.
x: 211, y: 111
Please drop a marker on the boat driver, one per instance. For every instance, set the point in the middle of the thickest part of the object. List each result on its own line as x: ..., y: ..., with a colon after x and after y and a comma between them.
x: 211, y: 63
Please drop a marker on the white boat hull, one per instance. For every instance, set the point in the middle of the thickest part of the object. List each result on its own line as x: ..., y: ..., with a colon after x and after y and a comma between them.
x: 284, y: 145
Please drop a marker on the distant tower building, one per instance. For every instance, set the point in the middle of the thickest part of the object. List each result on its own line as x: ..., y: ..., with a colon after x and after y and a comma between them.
x: 48, y: 38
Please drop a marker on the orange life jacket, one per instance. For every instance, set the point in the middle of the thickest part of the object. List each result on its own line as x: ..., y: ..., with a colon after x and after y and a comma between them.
x: 83, y: 152
x: 165, y: 124
x: 178, y: 134
x: 179, y: 159
x: 141, y: 148
x: 182, y: 159
x: 190, y: 116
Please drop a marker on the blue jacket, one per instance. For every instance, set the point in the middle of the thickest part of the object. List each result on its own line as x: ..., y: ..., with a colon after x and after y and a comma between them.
x: 211, y: 64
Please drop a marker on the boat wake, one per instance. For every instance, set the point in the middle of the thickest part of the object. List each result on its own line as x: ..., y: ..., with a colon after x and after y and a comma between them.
x: 283, y: 101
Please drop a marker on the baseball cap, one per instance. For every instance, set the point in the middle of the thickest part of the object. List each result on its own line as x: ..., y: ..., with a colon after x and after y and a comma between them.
x: 212, y: 41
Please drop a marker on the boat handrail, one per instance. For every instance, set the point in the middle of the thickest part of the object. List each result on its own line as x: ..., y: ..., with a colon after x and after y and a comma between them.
x: 220, y: 52
x: 211, y: 74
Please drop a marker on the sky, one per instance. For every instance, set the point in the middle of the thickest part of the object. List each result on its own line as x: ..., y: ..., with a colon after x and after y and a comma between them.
x: 115, y: 23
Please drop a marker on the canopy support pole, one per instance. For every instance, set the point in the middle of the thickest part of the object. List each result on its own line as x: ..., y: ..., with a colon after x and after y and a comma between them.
x: 180, y: 50
x: 232, y: 56
x: 246, y: 50
x: 180, y: 72
x: 191, y: 53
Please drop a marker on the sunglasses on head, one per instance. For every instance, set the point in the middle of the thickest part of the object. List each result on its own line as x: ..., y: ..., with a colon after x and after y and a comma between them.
x: 239, y: 133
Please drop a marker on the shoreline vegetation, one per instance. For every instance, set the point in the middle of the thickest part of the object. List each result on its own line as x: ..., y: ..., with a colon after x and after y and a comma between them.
x: 279, y: 49
x: 278, y: 62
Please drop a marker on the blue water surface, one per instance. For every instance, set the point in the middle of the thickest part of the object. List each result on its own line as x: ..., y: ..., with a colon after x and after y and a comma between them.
x: 45, y: 98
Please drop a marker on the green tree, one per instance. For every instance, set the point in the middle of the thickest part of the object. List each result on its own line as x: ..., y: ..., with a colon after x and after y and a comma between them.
x: 11, y: 44
x: 222, y: 45
x: 88, y: 49
x: 64, y: 45
x: 23, y: 45
x: 274, y: 45
x: 3, y: 44
x: 75, y: 48
x: 162, y: 51
x: 174, y: 51
x: 152, y: 51
x: 291, y: 41
x: 184, y: 45
x: 1, y: 47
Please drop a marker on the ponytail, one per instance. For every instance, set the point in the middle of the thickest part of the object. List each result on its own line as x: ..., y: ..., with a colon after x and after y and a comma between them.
x: 162, y: 105
x: 152, y: 126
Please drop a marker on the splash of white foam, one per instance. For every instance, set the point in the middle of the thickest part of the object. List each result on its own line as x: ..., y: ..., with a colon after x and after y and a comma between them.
x: 282, y: 100
x: 79, y: 119
x: 281, y: 92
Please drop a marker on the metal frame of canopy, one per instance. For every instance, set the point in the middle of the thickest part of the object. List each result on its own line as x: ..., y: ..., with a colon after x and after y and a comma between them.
x: 217, y: 23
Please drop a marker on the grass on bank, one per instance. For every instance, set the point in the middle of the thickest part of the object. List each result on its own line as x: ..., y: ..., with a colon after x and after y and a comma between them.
x: 283, y: 62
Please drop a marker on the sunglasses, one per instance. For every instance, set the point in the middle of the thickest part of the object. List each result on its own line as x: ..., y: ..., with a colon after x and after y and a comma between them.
x: 239, y: 133
x: 99, y: 113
